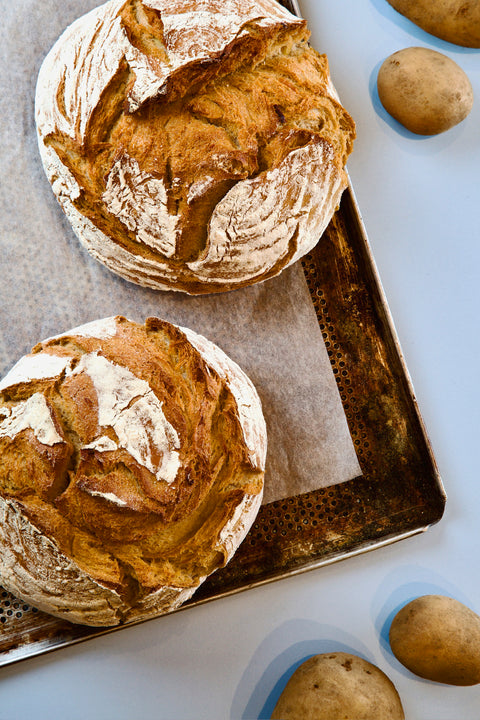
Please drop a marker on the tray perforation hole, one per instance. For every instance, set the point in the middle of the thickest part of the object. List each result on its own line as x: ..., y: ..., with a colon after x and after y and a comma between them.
x: 11, y: 608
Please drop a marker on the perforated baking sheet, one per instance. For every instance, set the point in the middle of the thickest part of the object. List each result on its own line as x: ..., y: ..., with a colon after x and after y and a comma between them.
x: 397, y: 494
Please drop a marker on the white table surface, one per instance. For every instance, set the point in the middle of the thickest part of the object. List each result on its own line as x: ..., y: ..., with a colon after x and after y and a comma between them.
x: 420, y: 202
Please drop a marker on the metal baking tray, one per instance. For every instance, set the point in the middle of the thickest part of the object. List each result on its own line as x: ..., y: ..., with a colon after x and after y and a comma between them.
x: 399, y: 492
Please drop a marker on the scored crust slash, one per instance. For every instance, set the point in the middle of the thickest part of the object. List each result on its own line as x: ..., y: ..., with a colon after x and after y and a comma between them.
x: 193, y: 146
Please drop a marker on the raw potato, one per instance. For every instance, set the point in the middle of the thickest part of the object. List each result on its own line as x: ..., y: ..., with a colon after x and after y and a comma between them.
x: 438, y: 638
x: 424, y: 90
x: 335, y: 686
x: 457, y: 21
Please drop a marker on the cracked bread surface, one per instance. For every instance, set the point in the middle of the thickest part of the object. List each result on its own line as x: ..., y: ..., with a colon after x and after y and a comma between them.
x: 131, y: 467
x: 194, y: 146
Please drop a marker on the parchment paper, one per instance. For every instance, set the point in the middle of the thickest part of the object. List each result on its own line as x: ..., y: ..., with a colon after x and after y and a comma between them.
x: 50, y: 284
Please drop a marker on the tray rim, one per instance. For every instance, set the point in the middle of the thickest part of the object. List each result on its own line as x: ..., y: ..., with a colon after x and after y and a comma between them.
x: 394, y: 334
x: 45, y: 646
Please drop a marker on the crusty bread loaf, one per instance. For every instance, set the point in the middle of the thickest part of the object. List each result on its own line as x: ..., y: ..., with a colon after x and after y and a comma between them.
x: 195, y: 145
x: 131, y: 467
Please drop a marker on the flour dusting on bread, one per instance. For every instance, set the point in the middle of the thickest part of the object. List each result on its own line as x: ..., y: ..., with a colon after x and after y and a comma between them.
x: 132, y: 461
x: 157, y: 120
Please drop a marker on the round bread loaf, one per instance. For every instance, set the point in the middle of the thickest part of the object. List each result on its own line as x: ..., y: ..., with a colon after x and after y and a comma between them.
x: 195, y: 145
x: 131, y: 467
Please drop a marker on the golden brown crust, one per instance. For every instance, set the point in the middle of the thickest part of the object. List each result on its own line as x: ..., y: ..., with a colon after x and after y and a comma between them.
x: 138, y: 456
x: 148, y: 177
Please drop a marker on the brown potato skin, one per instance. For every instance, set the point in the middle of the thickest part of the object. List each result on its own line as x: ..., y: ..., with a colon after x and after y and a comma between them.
x: 426, y: 91
x: 335, y: 686
x: 438, y: 638
x: 457, y: 21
